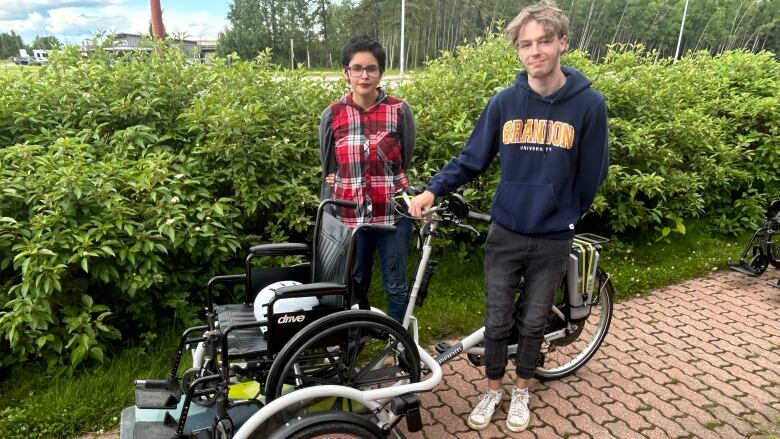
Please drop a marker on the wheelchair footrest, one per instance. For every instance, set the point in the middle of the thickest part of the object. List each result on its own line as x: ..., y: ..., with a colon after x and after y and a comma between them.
x: 156, y: 394
x: 742, y: 267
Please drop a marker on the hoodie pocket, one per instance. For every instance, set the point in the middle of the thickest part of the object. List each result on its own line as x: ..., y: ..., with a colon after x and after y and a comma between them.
x: 528, y: 208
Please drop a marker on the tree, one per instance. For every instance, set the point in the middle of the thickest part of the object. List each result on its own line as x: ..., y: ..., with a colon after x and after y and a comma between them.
x: 249, y: 31
x: 319, y: 28
x: 47, y: 42
x: 10, y: 43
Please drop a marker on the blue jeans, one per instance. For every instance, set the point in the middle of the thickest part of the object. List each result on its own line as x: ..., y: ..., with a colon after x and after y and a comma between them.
x: 393, y: 252
x: 510, y: 257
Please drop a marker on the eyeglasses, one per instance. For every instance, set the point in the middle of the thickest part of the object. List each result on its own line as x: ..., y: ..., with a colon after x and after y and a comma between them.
x: 357, y: 70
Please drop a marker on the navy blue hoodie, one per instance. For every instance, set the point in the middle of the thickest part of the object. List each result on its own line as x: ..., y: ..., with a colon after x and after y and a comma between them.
x: 553, y: 151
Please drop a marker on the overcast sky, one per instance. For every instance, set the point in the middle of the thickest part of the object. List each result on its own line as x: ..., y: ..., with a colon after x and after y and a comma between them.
x: 74, y: 20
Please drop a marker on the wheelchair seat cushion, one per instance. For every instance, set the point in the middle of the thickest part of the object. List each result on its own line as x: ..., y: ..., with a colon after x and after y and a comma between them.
x: 242, y: 341
x: 283, y: 305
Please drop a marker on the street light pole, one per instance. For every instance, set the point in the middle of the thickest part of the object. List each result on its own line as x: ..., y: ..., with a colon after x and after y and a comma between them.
x: 682, y: 25
x: 403, y: 25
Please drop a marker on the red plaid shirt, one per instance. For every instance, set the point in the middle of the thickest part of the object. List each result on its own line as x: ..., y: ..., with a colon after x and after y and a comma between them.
x: 369, y: 158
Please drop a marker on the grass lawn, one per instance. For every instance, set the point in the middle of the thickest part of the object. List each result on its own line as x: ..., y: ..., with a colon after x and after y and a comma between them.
x: 37, y: 405
x: 10, y: 69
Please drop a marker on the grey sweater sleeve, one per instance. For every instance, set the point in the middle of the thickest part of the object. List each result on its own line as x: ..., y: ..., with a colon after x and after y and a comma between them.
x: 408, y: 136
x: 327, y: 152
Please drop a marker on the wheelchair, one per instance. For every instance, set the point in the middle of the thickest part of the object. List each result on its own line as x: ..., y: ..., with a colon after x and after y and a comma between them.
x: 326, y: 363
x: 763, y: 248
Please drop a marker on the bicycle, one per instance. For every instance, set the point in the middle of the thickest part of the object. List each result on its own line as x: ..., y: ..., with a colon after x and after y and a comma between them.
x: 577, y: 323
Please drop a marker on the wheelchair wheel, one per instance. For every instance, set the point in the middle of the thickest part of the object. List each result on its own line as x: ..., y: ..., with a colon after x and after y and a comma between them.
x: 329, y: 425
x: 563, y: 356
x: 187, y: 378
x: 223, y: 429
x: 353, y: 348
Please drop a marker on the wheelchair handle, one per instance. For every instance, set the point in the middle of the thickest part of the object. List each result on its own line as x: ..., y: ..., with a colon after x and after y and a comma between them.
x: 340, y: 203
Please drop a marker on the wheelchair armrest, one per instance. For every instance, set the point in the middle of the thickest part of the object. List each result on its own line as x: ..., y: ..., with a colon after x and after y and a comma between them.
x: 307, y: 290
x: 280, y: 249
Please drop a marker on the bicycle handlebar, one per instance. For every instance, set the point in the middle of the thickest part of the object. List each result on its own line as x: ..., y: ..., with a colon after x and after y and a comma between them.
x: 479, y: 216
x: 455, y: 207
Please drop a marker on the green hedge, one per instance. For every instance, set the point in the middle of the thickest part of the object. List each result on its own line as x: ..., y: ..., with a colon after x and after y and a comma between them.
x: 125, y: 183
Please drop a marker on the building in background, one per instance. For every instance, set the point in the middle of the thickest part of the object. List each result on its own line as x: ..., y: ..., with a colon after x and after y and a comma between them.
x: 208, y: 49
x: 124, y: 43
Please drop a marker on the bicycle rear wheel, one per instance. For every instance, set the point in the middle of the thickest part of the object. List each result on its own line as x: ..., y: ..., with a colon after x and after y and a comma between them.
x: 563, y: 356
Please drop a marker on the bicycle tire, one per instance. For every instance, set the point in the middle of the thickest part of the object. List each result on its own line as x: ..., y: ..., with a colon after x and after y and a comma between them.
x: 563, y: 360
x: 360, y: 362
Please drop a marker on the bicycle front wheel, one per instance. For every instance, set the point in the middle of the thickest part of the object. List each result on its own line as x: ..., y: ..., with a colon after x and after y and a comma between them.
x: 563, y: 356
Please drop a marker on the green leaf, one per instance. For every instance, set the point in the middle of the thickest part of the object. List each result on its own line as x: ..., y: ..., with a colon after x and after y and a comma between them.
x: 108, y: 250
x: 77, y: 355
x: 85, y: 264
x: 97, y: 353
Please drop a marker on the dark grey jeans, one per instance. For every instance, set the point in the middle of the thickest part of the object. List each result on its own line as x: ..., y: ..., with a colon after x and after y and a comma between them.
x: 510, y: 257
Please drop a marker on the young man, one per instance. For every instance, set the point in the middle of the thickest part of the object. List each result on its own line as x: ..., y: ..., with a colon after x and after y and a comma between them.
x: 366, y: 142
x: 550, y: 129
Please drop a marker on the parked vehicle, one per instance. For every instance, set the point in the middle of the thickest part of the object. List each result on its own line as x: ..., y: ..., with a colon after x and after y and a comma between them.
x: 22, y: 60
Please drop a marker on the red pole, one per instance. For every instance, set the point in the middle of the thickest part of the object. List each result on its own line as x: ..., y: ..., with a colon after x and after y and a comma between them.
x: 158, y: 29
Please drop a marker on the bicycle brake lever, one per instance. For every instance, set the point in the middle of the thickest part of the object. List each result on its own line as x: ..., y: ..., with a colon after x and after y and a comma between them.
x: 469, y: 228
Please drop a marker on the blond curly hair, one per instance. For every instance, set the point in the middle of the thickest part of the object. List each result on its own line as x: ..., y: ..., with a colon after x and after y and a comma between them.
x: 546, y: 13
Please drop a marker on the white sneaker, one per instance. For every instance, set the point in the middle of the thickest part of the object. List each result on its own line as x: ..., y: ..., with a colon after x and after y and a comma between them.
x: 518, y: 416
x: 482, y: 414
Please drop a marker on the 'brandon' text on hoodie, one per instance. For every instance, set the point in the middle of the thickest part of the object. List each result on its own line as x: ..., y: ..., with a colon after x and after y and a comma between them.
x: 549, y: 174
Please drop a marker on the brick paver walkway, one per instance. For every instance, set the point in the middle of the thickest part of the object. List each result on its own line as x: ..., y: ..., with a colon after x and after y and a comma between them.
x: 698, y: 359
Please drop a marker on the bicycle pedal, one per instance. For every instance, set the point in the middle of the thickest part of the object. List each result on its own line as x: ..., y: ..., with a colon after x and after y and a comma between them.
x: 442, y: 346
x: 540, y: 360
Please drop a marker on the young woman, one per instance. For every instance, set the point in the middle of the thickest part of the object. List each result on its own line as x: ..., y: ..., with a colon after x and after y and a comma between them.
x: 366, y: 144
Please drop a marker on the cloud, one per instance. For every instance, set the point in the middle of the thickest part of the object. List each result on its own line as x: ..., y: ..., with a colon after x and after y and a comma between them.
x: 22, y: 9
x: 74, y: 20
x: 194, y: 25
x: 71, y: 21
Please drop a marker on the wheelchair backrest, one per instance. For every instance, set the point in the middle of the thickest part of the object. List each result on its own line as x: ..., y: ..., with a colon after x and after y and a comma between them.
x: 331, y: 248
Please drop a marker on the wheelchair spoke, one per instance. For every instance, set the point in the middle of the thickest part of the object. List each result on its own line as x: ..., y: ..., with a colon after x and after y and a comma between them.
x: 377, y: 359
x: 355, y: 350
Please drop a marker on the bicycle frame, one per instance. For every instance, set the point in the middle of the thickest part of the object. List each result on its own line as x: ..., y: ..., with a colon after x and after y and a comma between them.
x: 373, y: 399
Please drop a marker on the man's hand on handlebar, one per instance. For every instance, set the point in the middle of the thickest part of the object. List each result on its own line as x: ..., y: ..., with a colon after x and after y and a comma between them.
x: 421, y: 203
